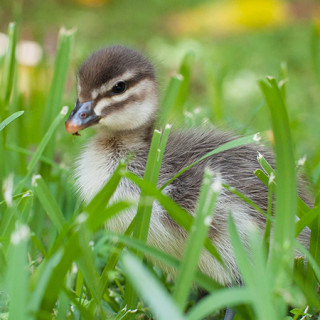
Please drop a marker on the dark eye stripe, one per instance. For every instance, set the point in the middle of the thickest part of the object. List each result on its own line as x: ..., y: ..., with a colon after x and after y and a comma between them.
x: 121, y: 104
x: 131, y: 83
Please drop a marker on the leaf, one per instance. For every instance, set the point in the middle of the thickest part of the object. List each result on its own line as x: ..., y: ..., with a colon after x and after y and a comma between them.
x: 145, y: 283
x: 286, y: 193
x: 195, y: 241
x: 203, y: 280
x: 8, y: 73
x: 179, y: 215
x: 45, y: 140
x: 8, y: 120
x: 169, y: 99
x: 143, y: 216
x: 48, y: 202
x: 18, y: 274
x: 218, y: 300
x: 226, y: 146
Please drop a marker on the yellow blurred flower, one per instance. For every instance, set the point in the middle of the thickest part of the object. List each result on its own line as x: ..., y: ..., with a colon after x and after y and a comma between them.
x: 92, y: 3
x: 231, y: 16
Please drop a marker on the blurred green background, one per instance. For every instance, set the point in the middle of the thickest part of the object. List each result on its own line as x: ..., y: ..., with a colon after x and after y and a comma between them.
x: 229, y: 44
x: 235, y: 43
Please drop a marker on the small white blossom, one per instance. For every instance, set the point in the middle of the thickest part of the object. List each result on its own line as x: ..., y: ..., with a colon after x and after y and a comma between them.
x: 28, y: 53
x: 207, y: 221
x: 133, y: 311
x: 305, y: 313
x: 260, y: 156
x: 64, y: 110
x: 302, y: 160
x: 271, y: 178
x: 179, y: 76
x: 257, y: 137
x: 188, y: 114
x: 82, y: 218
x: 34, y: 179
x: 74, y: 268
x: 217, y: 183
x: 282, y: 82
x: 22, y: 233
x: 26, y: 194
x: 197, y: 110
x: 158, y: 154
x: 7, y: 188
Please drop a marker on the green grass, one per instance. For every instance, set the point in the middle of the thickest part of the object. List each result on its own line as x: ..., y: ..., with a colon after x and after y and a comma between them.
x: 57, y: 261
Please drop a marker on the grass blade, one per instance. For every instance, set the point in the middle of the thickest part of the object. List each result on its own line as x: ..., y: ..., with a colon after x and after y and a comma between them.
x: 151, y: 175
x: 60, y: 75
x: 55, y: 279
x: 141, y: 227
x: 218, y: 300
x: 144, y: 282
x: 216, y: 80
x: 9, y: 66
x: 314, y: 50
x: 18, y: 273
x: 303, y: 208
x: 152, y: 171
x: 44, y: 142
x: 311, y: 261
x: 185, y: 71
x: 197, y: 235
x: 48, y: 202
x: 98, y: 220
x: 113, y: 260
x: 179, y: 215
x: 203, y: 280
x: 101, y: 199
x: 286, y: 194
x: 8, y: 120
x: 27, y: 152
x: 245, y: 199
x: 57, y: 88
x: 169, y: 99
x: 226, y: 146
x: 253, y: 271
x: 307, y: 220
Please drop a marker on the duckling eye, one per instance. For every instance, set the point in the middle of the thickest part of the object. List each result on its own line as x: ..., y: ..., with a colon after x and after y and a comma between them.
x: 119, y: 87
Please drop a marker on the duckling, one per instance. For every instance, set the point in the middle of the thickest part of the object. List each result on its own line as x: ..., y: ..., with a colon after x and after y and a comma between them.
x: 118, y: 92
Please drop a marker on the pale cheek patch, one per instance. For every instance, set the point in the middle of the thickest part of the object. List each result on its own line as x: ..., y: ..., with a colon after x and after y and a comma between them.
x: 103, y: 103
x: 132, y: 116
x: 134, y: 113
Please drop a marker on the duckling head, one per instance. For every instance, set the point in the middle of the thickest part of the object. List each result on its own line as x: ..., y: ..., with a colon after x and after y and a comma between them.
x: 117, y: 89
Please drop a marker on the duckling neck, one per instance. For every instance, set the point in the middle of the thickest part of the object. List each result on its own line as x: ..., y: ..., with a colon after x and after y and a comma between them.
x: 126, y: 140
x: 101, y: 156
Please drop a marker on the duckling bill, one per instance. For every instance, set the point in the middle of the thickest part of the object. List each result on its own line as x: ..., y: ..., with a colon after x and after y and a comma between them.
x: 82, y: 116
